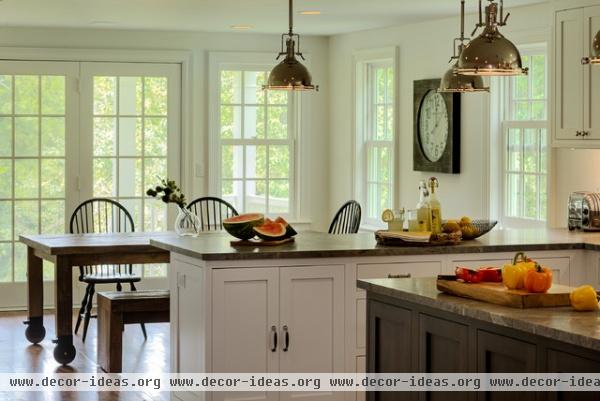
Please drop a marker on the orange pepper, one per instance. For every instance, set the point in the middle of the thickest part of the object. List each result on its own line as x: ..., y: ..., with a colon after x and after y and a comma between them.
x: 539, y: 279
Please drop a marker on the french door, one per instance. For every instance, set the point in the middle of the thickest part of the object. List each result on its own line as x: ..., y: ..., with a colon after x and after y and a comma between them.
x: 70, y: 131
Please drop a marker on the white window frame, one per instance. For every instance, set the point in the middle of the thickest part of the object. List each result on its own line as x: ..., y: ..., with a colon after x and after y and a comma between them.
x: 365, y: 61
x: 508, y: 123
x: 233, y: 61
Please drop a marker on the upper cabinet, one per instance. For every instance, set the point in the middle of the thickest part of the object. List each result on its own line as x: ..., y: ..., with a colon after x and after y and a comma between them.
x: 576, y: 86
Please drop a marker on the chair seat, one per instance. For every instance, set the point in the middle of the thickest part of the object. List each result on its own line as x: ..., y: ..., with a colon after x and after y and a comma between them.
x: 110, y: 278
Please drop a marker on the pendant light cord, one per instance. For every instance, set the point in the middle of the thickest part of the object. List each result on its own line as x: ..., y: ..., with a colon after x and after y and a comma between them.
x: 291, y: 17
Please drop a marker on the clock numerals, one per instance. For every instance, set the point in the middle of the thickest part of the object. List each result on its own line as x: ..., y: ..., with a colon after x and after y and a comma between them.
x: 433, y: 126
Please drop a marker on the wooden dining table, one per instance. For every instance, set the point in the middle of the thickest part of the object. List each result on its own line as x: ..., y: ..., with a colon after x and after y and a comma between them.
x: 66, y: 251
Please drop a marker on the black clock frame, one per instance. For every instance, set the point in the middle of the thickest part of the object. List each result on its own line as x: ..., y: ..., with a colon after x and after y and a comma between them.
x: 450, y: 160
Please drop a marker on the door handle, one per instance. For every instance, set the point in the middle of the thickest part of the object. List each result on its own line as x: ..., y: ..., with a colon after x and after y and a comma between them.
x: 286, y: 339
x: 407, y: 275
x: 273, y: 339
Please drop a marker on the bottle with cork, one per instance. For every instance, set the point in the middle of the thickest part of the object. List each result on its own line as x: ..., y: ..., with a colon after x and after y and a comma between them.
x: 435, y: 206
x: 423, y: 209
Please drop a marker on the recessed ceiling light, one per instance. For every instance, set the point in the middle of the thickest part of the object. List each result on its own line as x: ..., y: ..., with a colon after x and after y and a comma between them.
x: 241, y: 27
x: 310, y: 12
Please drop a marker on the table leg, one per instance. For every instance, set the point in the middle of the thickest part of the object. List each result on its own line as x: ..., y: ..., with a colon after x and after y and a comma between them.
x: 35, y: 331
x: 64, y: 352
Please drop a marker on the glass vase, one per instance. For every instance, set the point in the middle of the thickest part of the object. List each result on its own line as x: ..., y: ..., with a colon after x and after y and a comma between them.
x: 187, y: 224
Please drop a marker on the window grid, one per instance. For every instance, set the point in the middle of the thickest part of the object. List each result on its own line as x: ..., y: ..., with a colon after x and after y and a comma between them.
x: 525, y: 133
x: 242, y: 144
x: 148, y: 214
x: 16, y: 271
x: 379, y: 191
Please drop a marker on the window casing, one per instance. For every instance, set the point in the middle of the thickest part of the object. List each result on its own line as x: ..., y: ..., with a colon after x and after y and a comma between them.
x: 525, y: 129
x: 256, y: 142
x: 375, y: 137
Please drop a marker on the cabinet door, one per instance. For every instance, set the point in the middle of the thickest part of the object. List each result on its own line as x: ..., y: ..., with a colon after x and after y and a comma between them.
x: 500, y: 354
x: 390, y: 346
x: 564, y: 362
x: 569, y: 73
x: 244, y: 312
x: 312, y: 310
x: 591, y: 76
x: 443, y: 348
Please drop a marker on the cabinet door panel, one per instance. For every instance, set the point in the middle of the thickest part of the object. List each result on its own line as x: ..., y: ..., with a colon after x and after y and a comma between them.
x: 245, y: 308
x: 569, y: 73
x: 591, y: 78
x: 312, y: 308
x: 500, y: 354
x: 390, y: 346
x: 564, y: 362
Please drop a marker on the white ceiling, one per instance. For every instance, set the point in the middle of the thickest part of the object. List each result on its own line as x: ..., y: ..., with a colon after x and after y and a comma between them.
x: 266, y: 16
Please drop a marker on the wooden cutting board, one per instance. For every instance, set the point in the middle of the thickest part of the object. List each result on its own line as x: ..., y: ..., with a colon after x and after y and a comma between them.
x: 496, y: 293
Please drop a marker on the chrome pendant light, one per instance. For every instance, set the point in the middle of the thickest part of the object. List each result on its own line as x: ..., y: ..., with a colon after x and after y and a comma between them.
x: 491, y: 53
x: 456, y: 83
x: 290, y: 74
x: 594, y: 58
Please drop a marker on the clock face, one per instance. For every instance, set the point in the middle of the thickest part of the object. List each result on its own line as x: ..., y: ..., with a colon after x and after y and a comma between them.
x: 433, y: 125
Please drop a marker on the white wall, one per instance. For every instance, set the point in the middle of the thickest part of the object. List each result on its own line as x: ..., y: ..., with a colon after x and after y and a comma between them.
x: 424, y: 50
x: 199, y: 45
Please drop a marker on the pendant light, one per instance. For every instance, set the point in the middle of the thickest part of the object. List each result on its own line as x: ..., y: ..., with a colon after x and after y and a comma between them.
x: 491, y: 53
x: 290, y: 74
x: 456, y: 83
x: 595, y: 56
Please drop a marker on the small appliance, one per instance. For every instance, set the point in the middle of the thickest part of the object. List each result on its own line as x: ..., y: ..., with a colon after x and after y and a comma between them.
x: 584, y: 211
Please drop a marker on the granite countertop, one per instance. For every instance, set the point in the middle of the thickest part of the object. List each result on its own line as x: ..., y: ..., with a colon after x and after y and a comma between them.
x: 562, y: 324
x: 211, y: 246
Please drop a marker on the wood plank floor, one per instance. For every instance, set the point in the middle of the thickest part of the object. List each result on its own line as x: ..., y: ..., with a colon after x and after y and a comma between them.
x: 18, y: 355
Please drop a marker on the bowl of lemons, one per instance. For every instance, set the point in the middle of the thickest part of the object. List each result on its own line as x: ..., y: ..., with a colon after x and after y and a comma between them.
x: 471, y: 229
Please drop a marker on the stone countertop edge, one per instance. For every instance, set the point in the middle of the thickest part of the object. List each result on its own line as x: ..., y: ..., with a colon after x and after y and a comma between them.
x: 500, y: 315
x: 216, y: 247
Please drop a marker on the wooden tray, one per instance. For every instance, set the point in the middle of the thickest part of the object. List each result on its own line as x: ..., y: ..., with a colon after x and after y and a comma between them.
x: 389, y: 241
x: 260, y: 242
x: 496, y: 293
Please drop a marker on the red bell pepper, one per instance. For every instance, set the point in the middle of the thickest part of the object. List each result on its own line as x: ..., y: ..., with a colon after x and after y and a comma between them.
x: 468, y: 275
x: 491, y: 274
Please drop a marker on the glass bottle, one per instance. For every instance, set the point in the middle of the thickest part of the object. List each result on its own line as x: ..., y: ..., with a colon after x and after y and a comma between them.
x: 423, y: 209
x: 436, y: 206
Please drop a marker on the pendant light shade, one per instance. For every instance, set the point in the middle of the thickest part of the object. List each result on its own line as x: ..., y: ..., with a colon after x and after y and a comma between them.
x: 451, y: 81
x: 491, y: 53
x: 290, y: 74
x: 595, y: 56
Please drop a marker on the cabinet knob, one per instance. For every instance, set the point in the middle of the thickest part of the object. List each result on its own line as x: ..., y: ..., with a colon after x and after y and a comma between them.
x: 585, y: 60
x: 407, y: 275
x: 286, y: 339
x: 585, y: 133
x: 579, y: 133
x: 273, y: 339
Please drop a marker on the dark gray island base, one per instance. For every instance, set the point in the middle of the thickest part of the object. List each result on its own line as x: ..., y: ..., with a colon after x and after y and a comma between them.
x: 411, y: 327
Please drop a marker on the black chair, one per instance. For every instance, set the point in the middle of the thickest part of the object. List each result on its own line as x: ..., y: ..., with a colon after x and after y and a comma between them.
x: 101, y: 215
x: 347, y: 219
x: 212, y: 211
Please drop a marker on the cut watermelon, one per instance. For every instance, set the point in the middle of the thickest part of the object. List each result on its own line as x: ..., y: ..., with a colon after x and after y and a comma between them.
x: 290, y: 232
x: 242, y: 226
x: 271, y: 231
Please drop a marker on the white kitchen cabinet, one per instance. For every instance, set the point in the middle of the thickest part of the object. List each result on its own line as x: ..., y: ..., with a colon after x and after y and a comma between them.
x: 245, y: 322
x: 576, y: 86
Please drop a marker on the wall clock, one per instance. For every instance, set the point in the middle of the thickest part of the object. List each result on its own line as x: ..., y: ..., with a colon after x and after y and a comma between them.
x: 436, y: 138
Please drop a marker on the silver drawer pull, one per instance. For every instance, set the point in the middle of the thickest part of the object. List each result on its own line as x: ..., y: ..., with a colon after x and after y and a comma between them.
x: 407, y: 275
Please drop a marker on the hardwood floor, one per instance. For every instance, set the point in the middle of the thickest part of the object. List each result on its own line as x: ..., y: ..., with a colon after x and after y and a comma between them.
x: 18, y: 355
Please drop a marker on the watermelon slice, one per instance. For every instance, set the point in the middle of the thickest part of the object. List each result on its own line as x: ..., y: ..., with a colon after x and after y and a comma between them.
x: 271, y: 231
x: 290, y: 232
x: 242, y: 226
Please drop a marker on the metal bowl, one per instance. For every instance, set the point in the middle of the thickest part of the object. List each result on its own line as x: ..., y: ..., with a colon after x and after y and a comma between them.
x: 480, y: 227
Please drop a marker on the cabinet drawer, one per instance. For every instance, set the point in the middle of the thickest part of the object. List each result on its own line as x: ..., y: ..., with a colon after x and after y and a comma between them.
x: 404, y: 269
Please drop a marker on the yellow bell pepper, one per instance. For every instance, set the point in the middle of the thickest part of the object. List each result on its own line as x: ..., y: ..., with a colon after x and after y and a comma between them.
x: 584, y: 298
x: 513, y: 275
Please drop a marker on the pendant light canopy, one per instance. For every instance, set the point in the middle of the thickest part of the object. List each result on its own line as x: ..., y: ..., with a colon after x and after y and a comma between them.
x: 453, y: 82
x: 290, y: 74
x: 491, y: 53
x: 595, y: 56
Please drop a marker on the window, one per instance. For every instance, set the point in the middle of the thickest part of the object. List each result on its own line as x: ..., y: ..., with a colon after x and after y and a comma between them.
x: 375, y: 123
x: 525, y: 140
x: 256, y: 144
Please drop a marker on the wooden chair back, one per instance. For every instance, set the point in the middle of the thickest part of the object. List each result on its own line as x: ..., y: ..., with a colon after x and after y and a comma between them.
x: 212, y: 211
x: 347, y: 219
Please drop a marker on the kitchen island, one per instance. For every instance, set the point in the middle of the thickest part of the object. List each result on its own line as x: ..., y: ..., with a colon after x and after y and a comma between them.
x: 412, y: 327
x: 296, y: 308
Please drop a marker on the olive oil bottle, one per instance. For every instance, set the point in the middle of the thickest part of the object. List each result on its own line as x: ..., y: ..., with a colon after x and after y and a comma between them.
x: 423, y: 209
x: 435, y: 206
